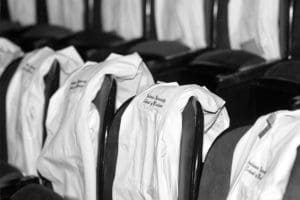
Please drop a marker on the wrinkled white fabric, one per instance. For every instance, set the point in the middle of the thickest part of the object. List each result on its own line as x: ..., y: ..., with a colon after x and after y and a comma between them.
x: 8, y: 52
x: 25, y: 107
x: 264, y: 157
x: 68, y: 158
x: 123, y: 17
x: 254, y: 27
x: 22, y: 11
x: 150, y: 135
x: 181, y: 20
x: 66, y: 13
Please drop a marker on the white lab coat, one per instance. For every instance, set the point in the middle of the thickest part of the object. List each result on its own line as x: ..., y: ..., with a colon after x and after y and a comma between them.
x: 264, y: 157
x: 123, y: 17
x: 254, y: 27
x: 22, y: 11
x: 25, y: 104
x: 149, y: 140
x: 69, y: 156
x: 181, y: 20
x: 8, y: 52
x: 66, y: 13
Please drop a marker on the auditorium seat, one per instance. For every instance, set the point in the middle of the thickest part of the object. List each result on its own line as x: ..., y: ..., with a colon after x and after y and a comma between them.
x: 227, y: 71
x: 190, y: 164
x: 280, y: 85
x: 167, y: 53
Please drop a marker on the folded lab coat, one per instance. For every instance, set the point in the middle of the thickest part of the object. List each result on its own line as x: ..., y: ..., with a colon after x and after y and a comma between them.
x: 150, y: 135
x: 264, y: 157
x: 69, y: 156
x: 8, y: 52
x: 69, y: 14
x: 25, y: 104
x: 254, y: 27
x: 181, y: 20
x: 123, y: 17
x: 22, y: 11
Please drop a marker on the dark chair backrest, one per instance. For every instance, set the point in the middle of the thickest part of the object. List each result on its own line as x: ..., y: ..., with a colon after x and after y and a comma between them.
x: 4, y: 83
x: 4, y: 13
x: 105, y: 102
x: 215, y: 180
x: 190, y: 165
x: 294, y: 43
x: 51, y: 81
x: 111, y: 154
x: 221, y: 38
x: 292, y: 191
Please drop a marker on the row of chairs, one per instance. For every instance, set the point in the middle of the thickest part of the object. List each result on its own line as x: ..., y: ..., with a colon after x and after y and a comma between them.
x: 65, y: 138
x: 228, y: 71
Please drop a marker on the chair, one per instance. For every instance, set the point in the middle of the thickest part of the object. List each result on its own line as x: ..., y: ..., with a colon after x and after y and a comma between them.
x: 35, y: 192
x: 190, y: 165
x: 96, y: 44
x: 37, y: 35
x: 215, y: 180
x: 280, y: 84
x: 292, y: 189
x: 11, y: 179
x: 230, y: 72
x: 162, y: 55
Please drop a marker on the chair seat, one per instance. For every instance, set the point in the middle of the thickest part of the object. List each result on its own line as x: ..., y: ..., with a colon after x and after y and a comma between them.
x: 36, y: 192
x: 95, y: 39
x: 46, y: 31
x: 8, y: 173
x: 227, y: 60
x: 287, y: 71
x: 163, y: 50
x: 8, y: 26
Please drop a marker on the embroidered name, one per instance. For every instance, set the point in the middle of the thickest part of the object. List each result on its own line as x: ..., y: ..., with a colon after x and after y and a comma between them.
x: 154, y: 101
x: 29, y: 68
x: 257, y: 171
x: 78, y: 84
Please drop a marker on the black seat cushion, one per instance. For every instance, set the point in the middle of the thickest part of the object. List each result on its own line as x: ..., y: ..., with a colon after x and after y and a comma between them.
x: 6, y: 25
x: 36, y: 192
x: 286, y: 71
x: 46, y: 31
x: 215, y: 180
x: 227, y: 60
x: 163, y: 50
x: 8, y: 173
x: 94, y: 39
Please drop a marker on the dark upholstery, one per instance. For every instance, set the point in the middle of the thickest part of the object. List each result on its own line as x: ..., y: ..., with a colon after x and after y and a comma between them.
x: 215, y: 180
x: 36, y: 192
x: 51, y: 81
x: 295, y: 36
x: 221, y: 34
x: 111, y: 153
x: 46, y: 31
x: 232, y: 60
x: 8, y: 173
x: 190, y: 164
x: 292, y: 191
x: 4, y: 83
x: 94, y: 39
x: 286, y: 71
x: 105, y: 102
x: 161, y: 50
